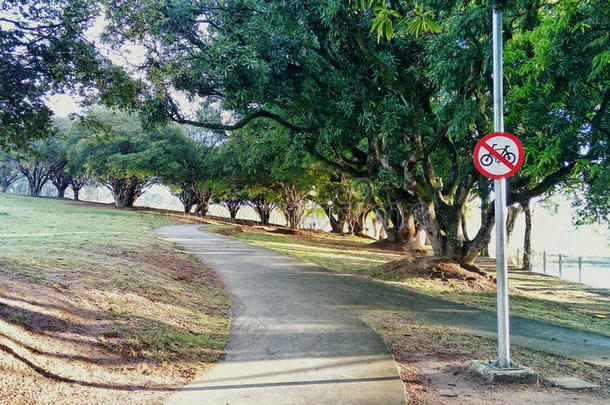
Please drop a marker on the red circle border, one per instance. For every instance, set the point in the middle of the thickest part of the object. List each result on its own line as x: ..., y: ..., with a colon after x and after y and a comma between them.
x: 479, y: 145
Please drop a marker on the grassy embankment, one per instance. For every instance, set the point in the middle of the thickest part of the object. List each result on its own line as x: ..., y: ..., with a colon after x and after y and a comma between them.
x: 95, y: 308
x: 532, y: 296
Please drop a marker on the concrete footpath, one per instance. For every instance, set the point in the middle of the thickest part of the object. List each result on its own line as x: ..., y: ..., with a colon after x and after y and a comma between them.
x: 296, y: 336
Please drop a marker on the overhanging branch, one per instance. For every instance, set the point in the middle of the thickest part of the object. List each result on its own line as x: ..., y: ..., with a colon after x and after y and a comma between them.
x: 241, y: 123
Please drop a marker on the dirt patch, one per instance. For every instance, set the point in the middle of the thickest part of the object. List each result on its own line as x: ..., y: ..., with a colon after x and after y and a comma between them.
x: 438, y: 268
x: 385, y: 244
x: 433, y: 365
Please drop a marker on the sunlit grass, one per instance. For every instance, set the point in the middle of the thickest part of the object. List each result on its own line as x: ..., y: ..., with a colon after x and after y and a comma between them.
x: 533, y: 296
x: 164, y: 305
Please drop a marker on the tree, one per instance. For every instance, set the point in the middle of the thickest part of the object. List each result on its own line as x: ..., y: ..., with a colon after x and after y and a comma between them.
x: 128, y: 160
x: 43, y: 49
x: 43, y: 161
x: 9, y: 170
x: 183, y: 166
x: 277, y: 170
x: 404, y: 113
x: 591, y: 197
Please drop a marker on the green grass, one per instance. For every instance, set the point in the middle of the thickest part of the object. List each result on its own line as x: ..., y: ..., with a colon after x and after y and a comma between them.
x: 151, y: 302
x: 532, y: 296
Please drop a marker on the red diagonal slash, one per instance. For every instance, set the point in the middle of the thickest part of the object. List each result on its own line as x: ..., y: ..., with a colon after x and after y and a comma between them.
x: 498, y: 156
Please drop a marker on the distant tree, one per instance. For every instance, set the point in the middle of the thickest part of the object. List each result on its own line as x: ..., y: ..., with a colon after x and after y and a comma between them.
x: 128, y: 159
x: 44, y: 159
x: 75, y: 171
x: 182, y: 165
x: 590, y: 195
x: 9, y: 170
x: 275, y: 171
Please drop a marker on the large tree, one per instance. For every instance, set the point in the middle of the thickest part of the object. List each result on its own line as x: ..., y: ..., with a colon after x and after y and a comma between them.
x: 404, y: 112
x: 42, y: 162
x: 128, y: 158
x: 9, y: 170
x: 44, y: 50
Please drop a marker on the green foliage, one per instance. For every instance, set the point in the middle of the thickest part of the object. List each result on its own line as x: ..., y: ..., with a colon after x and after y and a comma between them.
x: 43, y: 50
x: 591, y: 196
x: 410, y: 19
x: 130, y: 152
x: 406, y: 112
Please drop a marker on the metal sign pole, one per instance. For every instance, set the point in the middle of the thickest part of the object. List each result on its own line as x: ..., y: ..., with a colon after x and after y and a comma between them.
x: 500, y: 203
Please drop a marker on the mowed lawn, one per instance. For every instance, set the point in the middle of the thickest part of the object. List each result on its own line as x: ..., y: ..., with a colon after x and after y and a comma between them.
x: 533, y: 296
x: 96, y: 308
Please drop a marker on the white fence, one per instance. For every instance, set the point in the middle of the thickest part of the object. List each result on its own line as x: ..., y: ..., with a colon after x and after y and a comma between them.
x: 590, y: 270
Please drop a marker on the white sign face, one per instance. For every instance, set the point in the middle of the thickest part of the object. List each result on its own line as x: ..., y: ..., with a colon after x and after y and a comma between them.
x: 498, y: 155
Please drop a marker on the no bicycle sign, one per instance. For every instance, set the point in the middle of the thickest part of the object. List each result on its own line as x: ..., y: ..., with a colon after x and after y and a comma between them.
x: 498, y: 155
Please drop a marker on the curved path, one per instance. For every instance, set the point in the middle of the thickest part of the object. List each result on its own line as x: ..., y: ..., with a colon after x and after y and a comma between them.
x: 296, y: 336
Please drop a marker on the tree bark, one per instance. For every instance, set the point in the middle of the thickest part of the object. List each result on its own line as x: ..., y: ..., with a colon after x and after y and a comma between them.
x: 125, y: 191
x: 233, y: 206
x: 392, y: 220
x: 360, y: 224
x: 527, y: 244
x: 187, y: 198
x: 292, y: 205
x: 442, y: 223
x: 262, y: 207
x: 203, y: 199
x: 8, y: 175
x: 77, y: 182
x: 410, y: 232
x: 61, y: 191
x: 337, y: 220
x: 511, y: 219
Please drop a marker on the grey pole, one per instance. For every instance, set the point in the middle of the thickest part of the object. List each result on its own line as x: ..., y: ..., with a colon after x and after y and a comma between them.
x: 500, y: 203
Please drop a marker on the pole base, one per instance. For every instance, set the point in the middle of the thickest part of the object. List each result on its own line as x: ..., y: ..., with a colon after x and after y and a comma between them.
x: 517, y: 374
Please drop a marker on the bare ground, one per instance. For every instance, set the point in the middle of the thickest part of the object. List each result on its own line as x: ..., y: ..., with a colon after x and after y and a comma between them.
x: 433, y: 364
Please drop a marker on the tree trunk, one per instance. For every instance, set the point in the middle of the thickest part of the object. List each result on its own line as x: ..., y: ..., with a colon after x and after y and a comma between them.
x: 391, y: 217
x: 337, y: 220
x: 233, y: 207
x: 7, y: 177
x: 484, y: 209
x: 187, y: 198
x: 61, y: 191
x: 360, y: 224
x: 263, y: 208
x: 77, y: 182
x: 35, y: 187
x: 443, y: 225
x: 511, y: 219
x: 410, y: 232
x: 292, y: 205
x: 125, y: 191
x: 527, y: 244
x: 203, y: 200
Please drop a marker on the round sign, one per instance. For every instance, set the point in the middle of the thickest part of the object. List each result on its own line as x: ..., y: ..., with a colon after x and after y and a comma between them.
x: 498, y: 155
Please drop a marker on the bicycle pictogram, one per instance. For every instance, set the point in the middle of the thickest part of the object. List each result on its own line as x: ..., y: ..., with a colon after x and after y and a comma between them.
x: 488, y: 158
x: 498, y: 155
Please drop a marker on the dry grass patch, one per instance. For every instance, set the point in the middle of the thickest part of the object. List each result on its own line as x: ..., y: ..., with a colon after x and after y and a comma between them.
x: 433, y: 364
x: 95, y: 308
